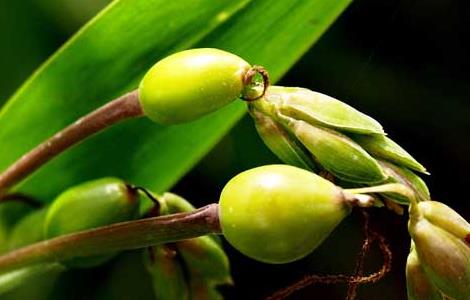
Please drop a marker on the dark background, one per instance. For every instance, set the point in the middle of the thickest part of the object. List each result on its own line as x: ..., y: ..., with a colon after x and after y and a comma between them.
x: 406, y: 63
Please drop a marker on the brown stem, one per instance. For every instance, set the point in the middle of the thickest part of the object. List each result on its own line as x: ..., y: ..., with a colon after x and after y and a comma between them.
x: 116, y: 237
x: 124, y: 107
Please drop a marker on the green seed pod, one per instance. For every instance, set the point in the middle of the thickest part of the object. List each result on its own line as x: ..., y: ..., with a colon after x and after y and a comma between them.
x: 279, y: 213
x: 442, y: 242
x: 315, y: 108
x: 384, y: 147
x: 189, y: 84
x: 404, y: 176
x: 418, y: 285
x: 168, y: 278
x: 283, y: 144
x: 28, y: 230
x: 338, y: 154
x: 10, y: 213
x: 92, y: 204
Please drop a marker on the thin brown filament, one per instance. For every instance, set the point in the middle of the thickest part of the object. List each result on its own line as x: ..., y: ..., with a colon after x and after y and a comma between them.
x: 359, y: 270
x: 352, y: 280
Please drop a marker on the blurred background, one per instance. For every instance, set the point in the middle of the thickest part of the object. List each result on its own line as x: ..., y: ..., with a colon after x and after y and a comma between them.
x: 403, y: 62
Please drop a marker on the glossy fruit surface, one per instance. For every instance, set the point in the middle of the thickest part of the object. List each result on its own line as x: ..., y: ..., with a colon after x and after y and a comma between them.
x: 189, y: 84
x: 279, y: 213
x: 92, y: 204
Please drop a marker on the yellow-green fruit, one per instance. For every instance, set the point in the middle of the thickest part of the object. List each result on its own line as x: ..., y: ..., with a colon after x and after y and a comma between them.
x: 28, y: 230
x: 92, y: 204
x: 279, y: 213
x: 189, y: 84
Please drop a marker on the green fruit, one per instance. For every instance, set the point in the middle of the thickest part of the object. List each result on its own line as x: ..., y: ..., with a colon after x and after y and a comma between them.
x: 10, y: 213
x: 189, y: 84
x: 93, y: 204
x: 28, y: 230
x: 279, y: 213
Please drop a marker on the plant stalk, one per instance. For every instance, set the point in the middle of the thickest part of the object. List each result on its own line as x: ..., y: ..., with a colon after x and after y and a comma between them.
x: 122, y: 108
x: 117, y: 237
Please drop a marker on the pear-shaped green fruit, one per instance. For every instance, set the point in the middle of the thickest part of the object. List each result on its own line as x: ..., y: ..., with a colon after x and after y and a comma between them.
x: 93, y: 204
x: 279, y: 213
x: 189, y: 84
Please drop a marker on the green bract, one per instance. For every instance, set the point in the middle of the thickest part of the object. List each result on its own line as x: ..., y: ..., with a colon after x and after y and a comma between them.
x: 189, y: 84
x: 319, y: 133
x: 166, y: 273
x: 418, y: 285
x: 441, y: 238
x: 92, y: 204
x: 279, y: 213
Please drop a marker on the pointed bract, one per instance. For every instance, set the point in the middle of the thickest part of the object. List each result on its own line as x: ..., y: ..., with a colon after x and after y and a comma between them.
x: 404, y: 176
x: 442, y: 247
x: 384, y: 147
x: 166, y: 273
x: 338, y: 154
x: 418, y: 285
x: 286, y: 147
x: 316, y: 108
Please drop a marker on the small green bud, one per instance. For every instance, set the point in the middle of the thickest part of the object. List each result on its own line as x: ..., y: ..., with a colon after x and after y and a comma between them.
x: 441, y: 241
x: 29, y: 230
x: 418, y: 285
x: 338, y: 154
x: 316, y: 108
x: 189, y: 84
x: 384, y: 147
x: 406, y: 177
x: 167, y: 275
x: 279, y: 213
x: 282, y: 143
x: 92, y: 204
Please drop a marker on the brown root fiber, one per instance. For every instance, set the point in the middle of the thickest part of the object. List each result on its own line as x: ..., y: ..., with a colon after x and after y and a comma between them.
x: 353, y: 281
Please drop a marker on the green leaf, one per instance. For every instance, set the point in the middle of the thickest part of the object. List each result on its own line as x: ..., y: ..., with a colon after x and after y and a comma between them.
x: 110, y: 55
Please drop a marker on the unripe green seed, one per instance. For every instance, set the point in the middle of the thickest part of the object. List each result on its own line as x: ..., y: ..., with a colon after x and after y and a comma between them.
x: 279, y: 213
x: 10, y: 213
x: 92, y: 204
x: 189, y: 84
x: 28, y: 230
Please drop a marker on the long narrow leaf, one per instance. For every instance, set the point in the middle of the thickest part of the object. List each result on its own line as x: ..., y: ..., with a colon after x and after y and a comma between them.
x: 109, y: 56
